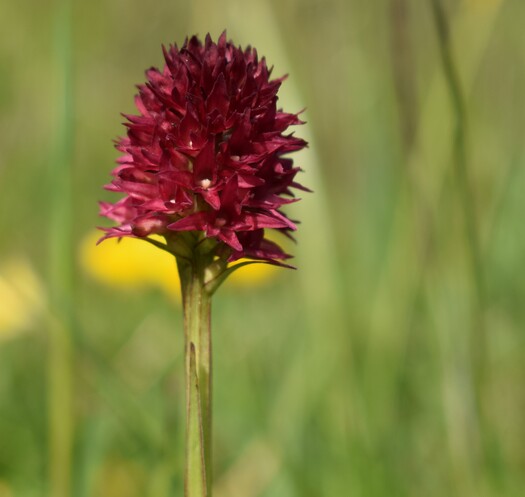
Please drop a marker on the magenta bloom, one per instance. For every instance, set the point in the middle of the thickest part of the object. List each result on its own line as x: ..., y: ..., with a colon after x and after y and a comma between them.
x: 206, y: 153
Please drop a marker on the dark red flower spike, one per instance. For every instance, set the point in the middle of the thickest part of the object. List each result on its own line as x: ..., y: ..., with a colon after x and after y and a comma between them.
x: 206, y: 153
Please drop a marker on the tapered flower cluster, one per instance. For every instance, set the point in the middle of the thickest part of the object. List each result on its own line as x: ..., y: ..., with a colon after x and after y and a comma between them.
x: 207, y: 153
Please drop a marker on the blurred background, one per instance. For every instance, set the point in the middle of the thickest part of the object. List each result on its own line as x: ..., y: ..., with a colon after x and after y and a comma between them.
x: 391, y: 363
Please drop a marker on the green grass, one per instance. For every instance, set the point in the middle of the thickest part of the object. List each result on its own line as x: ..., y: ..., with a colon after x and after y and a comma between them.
x: 358, y: 374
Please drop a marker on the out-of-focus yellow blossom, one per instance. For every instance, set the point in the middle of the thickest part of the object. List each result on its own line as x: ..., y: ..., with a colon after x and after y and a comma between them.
x: 21, y: 297
x: 129, y: 263
x: 252, y: 274
x: 5, y: 489
x: 134, y: 263
x: 483, y: 4
x: 118, y: 478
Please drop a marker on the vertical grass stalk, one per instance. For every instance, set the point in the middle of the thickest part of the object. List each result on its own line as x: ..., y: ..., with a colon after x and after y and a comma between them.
x: 460, y: 148
x: 60, y: 264
x: 477, y: 334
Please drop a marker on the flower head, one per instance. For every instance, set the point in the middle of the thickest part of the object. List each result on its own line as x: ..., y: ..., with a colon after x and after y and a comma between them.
x: 207, y: 153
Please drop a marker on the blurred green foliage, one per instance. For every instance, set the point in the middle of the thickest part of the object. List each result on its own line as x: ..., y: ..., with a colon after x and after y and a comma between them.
x: 379, y: 367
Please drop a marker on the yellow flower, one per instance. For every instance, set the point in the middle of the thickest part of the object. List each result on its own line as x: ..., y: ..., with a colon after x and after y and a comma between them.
x: 135, y: 264
x: 483, y: 4
x: 22, y: 297
x: 5, y: 489
x: 119, y: 478
x: 129, y: 263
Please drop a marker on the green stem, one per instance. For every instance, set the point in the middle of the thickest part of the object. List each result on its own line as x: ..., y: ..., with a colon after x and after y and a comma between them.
x: 460, y: 149
x: 61, y: 350
x: 478, y: 335
x: 60, y: 415
x: 197, y: 333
